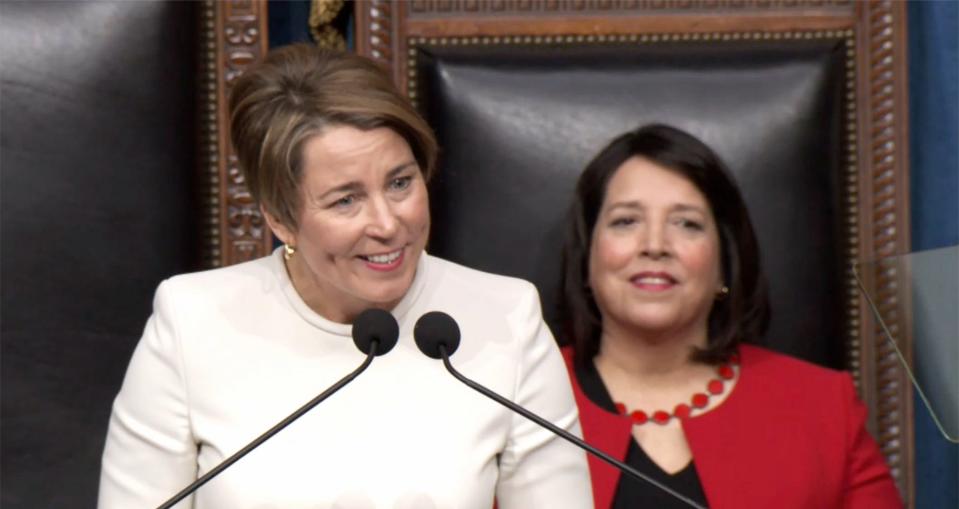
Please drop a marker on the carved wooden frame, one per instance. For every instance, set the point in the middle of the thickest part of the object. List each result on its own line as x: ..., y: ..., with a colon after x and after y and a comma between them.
x: 876, y: 170
x: 233, y: 36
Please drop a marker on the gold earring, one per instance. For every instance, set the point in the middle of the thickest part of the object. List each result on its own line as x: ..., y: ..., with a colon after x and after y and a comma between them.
x: 288, y: 252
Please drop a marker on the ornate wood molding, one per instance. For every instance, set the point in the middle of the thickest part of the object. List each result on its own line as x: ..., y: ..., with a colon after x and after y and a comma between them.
x: 233, y: 37
x: 375, y: 29
x: 876, y: 162
x: 884, y: 155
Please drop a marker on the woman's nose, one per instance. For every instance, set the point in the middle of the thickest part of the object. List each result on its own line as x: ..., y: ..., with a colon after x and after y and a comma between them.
x: 383, y: 221
x: 654, y: 243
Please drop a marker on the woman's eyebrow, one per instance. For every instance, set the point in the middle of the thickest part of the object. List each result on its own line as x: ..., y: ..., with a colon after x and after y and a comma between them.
x: 349, y: 187
x: 399, y: 169
x: 354, y: 186
x: 630, y: 204
x: 686, y: 207
x: 636, y: 205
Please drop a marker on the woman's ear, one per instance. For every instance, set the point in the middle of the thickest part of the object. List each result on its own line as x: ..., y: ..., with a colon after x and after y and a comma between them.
x: 281, y: 231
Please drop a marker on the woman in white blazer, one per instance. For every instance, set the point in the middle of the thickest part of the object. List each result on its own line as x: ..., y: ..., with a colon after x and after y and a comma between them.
x: 339, y: 162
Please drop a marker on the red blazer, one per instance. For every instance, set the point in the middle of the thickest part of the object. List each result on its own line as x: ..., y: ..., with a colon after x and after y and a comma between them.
x: 790, y: 435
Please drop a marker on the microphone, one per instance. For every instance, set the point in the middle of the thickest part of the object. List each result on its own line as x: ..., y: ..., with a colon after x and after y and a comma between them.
x: 438, y: 336
x: 375, y: 332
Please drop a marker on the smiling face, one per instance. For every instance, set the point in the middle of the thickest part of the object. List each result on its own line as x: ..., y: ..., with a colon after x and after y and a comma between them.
x: 654, y: 264
x: 363, y: 223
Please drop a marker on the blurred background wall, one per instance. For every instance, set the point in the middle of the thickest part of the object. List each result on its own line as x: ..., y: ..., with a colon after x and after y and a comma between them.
x: 98, y: 162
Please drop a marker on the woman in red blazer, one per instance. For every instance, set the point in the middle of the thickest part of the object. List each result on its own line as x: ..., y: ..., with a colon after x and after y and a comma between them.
x: 663, y: 288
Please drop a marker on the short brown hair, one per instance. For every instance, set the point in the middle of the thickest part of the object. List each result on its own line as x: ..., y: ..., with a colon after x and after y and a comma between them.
x: 743, y: 315
x: 295, y: 93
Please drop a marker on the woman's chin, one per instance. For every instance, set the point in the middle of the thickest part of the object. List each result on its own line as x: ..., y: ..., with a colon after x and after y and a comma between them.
x: 657, y: 324
x: 387, y: 295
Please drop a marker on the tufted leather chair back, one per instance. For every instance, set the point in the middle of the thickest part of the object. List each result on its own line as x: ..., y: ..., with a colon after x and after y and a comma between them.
x: 517, y: 126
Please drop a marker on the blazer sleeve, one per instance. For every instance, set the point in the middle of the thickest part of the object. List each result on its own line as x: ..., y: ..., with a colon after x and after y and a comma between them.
x: 538, y: 468
x: 869, y: 485
x: 150, y: 453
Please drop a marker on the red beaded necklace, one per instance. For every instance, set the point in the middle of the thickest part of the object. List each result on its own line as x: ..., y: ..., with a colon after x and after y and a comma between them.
x: 715, y: 387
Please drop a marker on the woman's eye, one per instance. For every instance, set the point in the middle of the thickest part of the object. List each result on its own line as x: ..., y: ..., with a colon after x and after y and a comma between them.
x: 400, y: 183
x: 345, y: 201
x: 690, y: 224
x: 622, y: 221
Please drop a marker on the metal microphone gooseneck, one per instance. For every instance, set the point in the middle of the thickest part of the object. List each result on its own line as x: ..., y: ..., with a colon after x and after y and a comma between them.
x: 438, y: 336
x: 374, y: 333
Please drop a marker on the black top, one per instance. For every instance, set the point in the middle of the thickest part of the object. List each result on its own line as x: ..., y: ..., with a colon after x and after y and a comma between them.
x: 632, y: 493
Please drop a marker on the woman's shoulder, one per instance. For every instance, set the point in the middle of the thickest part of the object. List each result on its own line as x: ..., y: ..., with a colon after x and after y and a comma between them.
x: 477, y: 282
x: 496, y: 310
x: 247, y: 276
x: 766, y: 364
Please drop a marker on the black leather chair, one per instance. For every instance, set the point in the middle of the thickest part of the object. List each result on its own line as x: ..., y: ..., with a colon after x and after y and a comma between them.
x: 805, y: 100
x: 98, y: 186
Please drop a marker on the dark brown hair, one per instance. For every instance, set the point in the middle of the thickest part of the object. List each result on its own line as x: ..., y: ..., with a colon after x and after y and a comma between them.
x: 296, y: 93
x: 742, y: 315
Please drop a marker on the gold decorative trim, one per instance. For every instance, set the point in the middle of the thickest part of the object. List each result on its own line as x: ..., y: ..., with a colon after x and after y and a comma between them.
x: 322, y: 14
x: 851, y: 211
x: 432, y: 8
x: 639, y: 38
x: 642, y: 38
x: 209, y: 167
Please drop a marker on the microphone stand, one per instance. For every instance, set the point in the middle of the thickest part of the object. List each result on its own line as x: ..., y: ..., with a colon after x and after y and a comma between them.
x: 272, y: 431
x: 561, y: 432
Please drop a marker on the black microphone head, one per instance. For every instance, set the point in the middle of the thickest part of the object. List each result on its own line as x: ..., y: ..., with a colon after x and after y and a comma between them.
x: 375, y: 324
x: 434, y: 329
